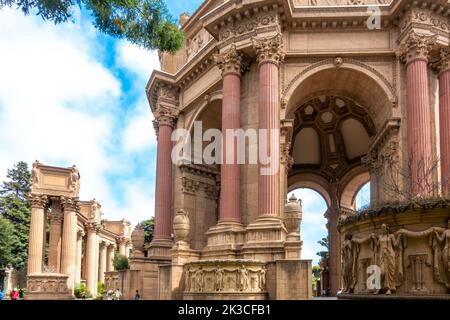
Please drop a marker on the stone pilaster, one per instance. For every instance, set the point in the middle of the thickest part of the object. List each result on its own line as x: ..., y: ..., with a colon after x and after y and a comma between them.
x: 166, y: 115
x: 91, y: 257
x: 35, y: 262
x: 79, y: 256
x: 444, y: 119
x: 54, y: 247
x: 102, y: 262
x: 415, y: 52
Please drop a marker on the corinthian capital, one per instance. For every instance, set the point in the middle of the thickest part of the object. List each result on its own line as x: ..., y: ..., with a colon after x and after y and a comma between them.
x: 37, y: 201
x: 416, y: 47
x: 70, y: 204
x: 165, y: 115
x: 444, y: 63
x: 230, y: 61
x: 269, y: 50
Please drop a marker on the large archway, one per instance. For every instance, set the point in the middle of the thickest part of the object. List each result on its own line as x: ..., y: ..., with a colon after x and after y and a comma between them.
x: 337, y: 109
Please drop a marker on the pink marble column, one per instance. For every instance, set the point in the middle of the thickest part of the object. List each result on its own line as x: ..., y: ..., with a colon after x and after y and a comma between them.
x: 165, y: 120
x: 36, y: 243
x: 416, y: 49
x: 444, y: 119
x: 269, y: 55
x: 230, y: 63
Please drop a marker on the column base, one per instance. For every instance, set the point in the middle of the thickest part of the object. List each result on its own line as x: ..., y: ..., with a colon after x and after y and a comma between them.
x: 159, y: 249
x: 182, y: 253
x: 225, y: 240
x: 265, y: 239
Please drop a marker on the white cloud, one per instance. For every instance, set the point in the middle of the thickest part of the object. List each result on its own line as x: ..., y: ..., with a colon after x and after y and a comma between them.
x: 60, y: 104
x: 136, y: 59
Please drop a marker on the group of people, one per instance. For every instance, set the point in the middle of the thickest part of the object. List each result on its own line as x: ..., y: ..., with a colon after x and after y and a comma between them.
x: 116, y: 295
x: 13, y: 295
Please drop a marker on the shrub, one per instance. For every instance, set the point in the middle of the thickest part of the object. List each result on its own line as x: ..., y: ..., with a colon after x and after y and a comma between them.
x: 120, y: 262
x: 100, y: 291
x: 80, y: 290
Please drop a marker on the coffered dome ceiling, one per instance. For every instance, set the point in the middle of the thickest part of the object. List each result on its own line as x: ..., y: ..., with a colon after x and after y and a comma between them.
x: 331, y: 134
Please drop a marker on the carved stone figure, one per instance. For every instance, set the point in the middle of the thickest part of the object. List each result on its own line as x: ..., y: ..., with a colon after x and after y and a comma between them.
x: 386, y: 245
x: 243, y: 278
x: 74, y: 183
x: 444, y: 238
x: 35, y: 174
x: 219, y: 278
x: 350, y: 250
x: 199, y: 281
x: 187, y: 280
x: 262, y: 278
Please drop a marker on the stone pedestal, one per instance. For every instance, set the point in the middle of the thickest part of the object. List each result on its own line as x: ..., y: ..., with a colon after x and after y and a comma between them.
x: 225, y: 240
x: 289, y: 280
x: 48, y: 286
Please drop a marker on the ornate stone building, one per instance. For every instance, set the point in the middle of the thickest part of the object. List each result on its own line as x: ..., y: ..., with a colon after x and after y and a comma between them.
x: 80, y: 245
x: 359, y: 91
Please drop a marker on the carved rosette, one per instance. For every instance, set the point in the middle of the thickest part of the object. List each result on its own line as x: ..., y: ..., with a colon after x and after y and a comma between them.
x: 269, y: 50
x: 230, y: 62
x: 70, y: 204
x: 37, y: 201
x: 444, y: 62
x: 416, y: 47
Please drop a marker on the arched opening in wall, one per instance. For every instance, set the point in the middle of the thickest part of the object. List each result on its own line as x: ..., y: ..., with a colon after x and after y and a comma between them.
x: 313, y: 228
x: 362, y: 197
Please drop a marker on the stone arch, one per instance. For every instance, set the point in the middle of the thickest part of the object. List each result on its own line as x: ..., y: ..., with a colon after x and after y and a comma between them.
x: 310, y: 181
x: 352, y: 78
x: 208, y: 99
x: 354, y: 183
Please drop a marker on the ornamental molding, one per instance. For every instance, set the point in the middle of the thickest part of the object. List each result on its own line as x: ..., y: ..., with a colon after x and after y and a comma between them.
x: 269, y: 49
x: 231, y: 61
x: 416, y: 46
x: 38, y: 201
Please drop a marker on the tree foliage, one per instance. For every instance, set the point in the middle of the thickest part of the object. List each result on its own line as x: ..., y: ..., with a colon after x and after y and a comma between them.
x: 15, y: 209
x: 6, y: 242
x: 148, y: 226
x: 120, y: 262
x: 146, y: 23
x: 324, y: 243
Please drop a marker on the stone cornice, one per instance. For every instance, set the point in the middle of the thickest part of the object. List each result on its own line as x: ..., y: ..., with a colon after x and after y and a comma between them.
x: 391, y: 127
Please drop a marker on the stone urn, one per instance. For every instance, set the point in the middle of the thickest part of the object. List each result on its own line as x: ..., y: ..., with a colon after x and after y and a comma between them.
x: 293, y: 215
x: 137, y: 239
x: 181, y: 226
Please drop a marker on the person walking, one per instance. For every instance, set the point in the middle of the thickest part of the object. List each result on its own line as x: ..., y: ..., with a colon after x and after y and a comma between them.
x: 137, y: 296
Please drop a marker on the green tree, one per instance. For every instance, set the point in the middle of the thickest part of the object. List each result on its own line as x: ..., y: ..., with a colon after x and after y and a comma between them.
x: 324, y: 243
x: 148, y: 226
x: 14, y: 207
x: 120, y: 262
x: 6, y: 242
x: 146, y: 23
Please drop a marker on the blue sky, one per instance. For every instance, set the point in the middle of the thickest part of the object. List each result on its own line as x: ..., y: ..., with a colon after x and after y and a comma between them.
x: 71, y: 95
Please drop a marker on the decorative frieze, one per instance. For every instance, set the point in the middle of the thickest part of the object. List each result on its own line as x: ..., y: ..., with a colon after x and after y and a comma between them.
x: 225, y: 276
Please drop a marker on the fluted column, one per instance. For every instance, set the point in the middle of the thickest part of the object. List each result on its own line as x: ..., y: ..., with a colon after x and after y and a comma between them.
x: 102, y: 262
x: 231, y: 65
x: 79, y: 256
x: 444, y: 119
x: 165, y: 119
x: 54, y: 246
x: 122, y: 242
x: 69, y: 239
x: 91, y: 257
x: 334, y: 260
x: 415, y: 50
x: 38, y: 203
x: 269, y: 56
x: 110, y: 257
